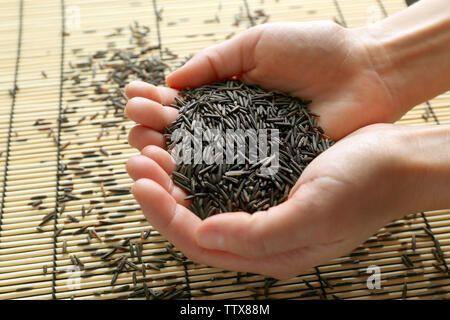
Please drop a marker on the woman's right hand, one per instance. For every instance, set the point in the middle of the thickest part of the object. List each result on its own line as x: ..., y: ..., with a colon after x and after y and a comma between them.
x: 318, y: 61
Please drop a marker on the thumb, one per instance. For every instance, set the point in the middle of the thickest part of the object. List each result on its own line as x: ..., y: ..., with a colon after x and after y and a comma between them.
x: 292, y: 224
x: 230, y: 58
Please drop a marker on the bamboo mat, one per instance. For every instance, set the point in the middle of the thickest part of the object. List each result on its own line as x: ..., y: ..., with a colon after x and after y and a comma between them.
x: 45, y: 45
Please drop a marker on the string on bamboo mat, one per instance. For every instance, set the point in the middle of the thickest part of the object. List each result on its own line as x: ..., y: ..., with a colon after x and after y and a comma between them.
x: 341, y: 21
x: 57, y: 211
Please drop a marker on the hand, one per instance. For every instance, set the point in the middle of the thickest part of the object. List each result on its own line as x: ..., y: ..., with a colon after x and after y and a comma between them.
x: 320, y: 61
x: 341, y: 199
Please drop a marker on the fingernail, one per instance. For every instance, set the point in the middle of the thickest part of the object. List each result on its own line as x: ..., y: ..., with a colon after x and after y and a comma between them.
x: 211, y: 240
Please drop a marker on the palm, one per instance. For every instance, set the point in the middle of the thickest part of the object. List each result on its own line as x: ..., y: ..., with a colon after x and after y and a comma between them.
x: 326, y: 64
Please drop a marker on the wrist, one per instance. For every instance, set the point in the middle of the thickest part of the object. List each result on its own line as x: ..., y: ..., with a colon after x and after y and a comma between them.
x: 425, y: 167
x: 410, y: 51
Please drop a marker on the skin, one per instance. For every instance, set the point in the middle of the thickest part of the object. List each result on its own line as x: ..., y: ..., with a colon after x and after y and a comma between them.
x: 373, y: 174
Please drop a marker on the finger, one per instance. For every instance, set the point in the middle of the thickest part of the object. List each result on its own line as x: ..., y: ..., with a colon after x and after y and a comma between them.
x: 161, y: 156
x: 230, y: 58
x: 150, y: 113
x: 297, y: 222
x: 162, y: 95
x: 140, y: 166
x: 178, y: 225
x: 140, y: 137
x: 167, y: 163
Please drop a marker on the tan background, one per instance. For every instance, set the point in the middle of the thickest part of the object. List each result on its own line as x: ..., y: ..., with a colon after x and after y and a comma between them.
x: 31, y: 33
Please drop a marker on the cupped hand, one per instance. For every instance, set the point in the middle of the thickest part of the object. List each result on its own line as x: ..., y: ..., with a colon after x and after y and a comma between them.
x: 343, y: 197
x: 340, y: 70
